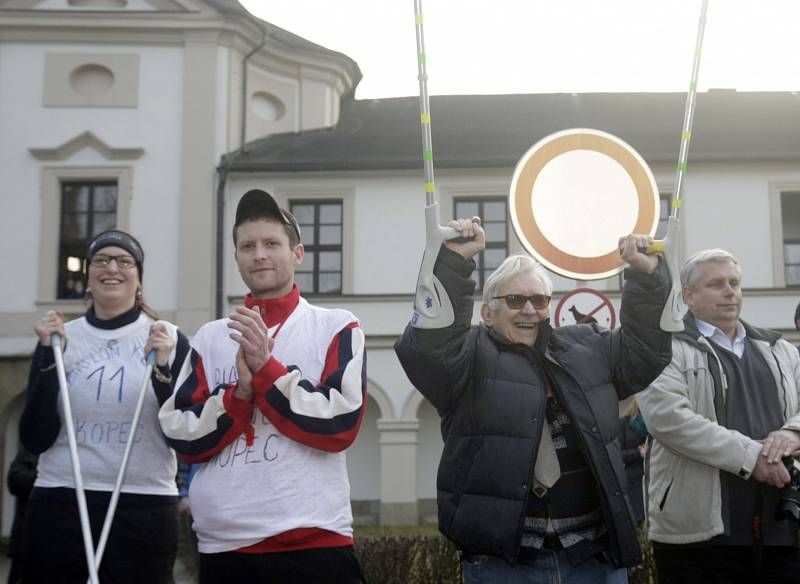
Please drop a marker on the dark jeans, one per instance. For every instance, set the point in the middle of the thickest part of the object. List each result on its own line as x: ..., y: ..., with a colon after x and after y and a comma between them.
x: 140, y: 550
x: 546, y: 567
x: 678, y: 564
x: 319, y: 565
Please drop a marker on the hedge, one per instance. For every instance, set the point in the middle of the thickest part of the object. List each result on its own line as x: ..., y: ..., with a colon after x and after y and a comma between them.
x: 423, y: 557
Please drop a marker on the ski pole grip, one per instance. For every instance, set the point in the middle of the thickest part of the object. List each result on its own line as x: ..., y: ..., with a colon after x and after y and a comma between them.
x: 55, y: 339
x: 448, y: 233
x: 656, y: 247
x: 151, y: 357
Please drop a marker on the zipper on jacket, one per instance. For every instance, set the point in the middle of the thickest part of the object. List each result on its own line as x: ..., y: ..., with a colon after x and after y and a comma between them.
x: 540, y: 419
x: 724, y: 378
x: 786, y: 413
x: 612, y: 534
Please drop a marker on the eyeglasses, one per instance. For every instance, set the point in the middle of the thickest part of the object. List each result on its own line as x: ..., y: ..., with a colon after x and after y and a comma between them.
x: 124, y: 262
x: 517, y: 301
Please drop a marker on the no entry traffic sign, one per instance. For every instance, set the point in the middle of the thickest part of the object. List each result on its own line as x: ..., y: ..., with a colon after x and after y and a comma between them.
x: 574, y: 193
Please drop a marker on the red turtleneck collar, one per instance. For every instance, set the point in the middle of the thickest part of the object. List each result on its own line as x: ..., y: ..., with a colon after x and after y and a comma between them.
x: 274, y: 310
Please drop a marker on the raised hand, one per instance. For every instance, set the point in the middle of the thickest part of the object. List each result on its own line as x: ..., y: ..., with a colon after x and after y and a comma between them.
x: 160, y: 341
x: 52, y: 322
x: 471, y: 230
x: 630, y: 248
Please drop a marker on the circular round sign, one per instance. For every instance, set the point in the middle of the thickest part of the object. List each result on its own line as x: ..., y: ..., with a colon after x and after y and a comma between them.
x: 574, y: 193
x: 585, y: 306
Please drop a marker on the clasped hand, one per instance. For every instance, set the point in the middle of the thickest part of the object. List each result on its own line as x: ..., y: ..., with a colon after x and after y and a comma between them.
x: 255, y: 347
x: 776, y: 446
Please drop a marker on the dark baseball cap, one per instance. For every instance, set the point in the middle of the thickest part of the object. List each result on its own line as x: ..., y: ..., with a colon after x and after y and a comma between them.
x: 258, y: 204
x: 117, y: 238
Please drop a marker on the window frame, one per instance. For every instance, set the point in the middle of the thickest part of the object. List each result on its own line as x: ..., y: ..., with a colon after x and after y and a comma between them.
x: 91, y: 214
x: 791, y: 241
x: 52, y: 178
x: 317, y: 247
x: 777, y: 190
x: 480, y: 200
x: 663, y: 197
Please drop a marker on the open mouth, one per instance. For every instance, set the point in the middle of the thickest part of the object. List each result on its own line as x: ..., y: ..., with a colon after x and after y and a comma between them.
x: 526, y: 326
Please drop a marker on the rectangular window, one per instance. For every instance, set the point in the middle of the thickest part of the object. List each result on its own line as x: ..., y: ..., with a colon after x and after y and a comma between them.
x: 87, y: 208
x: 665, y: 200
x: 790, y: 217
x: 321, y: 229
x: 493, y: 214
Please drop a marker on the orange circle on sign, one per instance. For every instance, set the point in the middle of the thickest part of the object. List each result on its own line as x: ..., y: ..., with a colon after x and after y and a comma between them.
x: 611, y: 168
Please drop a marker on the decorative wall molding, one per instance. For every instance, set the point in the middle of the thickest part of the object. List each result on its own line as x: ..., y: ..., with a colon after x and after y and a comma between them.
x: 85, y: 140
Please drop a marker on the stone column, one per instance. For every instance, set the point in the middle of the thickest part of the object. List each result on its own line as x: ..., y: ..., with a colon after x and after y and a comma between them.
x: 198, y: 161
x: 398, y: 439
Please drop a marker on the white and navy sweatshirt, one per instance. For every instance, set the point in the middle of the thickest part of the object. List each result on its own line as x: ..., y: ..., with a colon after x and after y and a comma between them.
x: 275, y: 476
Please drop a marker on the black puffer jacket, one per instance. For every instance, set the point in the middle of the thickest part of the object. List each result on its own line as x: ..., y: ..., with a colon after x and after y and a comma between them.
x: 491, y: 397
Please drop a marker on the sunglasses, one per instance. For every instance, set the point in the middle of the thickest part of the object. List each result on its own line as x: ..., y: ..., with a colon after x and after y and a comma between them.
x: 517, y: 301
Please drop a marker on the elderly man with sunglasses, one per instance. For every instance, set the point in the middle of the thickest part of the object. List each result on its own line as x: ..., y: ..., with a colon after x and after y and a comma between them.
x: 531, y: 484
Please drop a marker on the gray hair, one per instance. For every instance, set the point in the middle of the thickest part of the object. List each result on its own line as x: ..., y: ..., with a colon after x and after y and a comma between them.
x: 512, y: 266
x: 690, y: 271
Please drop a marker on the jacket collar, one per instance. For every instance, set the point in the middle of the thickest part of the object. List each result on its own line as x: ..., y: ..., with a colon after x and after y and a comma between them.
x: 691, y: 333
x: 274, y: 310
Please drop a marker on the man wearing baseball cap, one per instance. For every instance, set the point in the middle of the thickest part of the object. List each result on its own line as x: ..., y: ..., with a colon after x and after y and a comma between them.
x: 269, y: 401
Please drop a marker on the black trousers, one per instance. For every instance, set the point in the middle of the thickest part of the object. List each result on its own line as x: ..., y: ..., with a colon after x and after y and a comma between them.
x: 141, y: 546
x: 318, y: 566
x: 678, y: 564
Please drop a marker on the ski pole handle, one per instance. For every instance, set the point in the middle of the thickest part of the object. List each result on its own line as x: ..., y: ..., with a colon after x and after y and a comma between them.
x: 656, y: 247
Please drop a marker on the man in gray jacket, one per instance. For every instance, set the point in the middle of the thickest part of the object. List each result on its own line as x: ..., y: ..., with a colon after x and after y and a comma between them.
x: 722, y: 415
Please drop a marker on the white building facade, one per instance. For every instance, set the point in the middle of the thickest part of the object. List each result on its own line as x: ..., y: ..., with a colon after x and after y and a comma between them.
x: 157, y: 115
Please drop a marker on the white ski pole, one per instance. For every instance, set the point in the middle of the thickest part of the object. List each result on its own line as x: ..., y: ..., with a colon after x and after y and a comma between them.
x: 83, y: 510
x: 675, y: 309
x: 112, y: 505
x: 432, y: 307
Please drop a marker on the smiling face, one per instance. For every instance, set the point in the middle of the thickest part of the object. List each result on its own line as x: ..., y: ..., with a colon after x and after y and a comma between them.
x: 521, y: 325
x: 265, y: 258
x: 717, y: 296
x: 113, y: 288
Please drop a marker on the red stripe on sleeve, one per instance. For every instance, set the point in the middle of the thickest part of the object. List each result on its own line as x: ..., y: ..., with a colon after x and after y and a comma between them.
x: 201, y: 392
x: 327, y: 442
